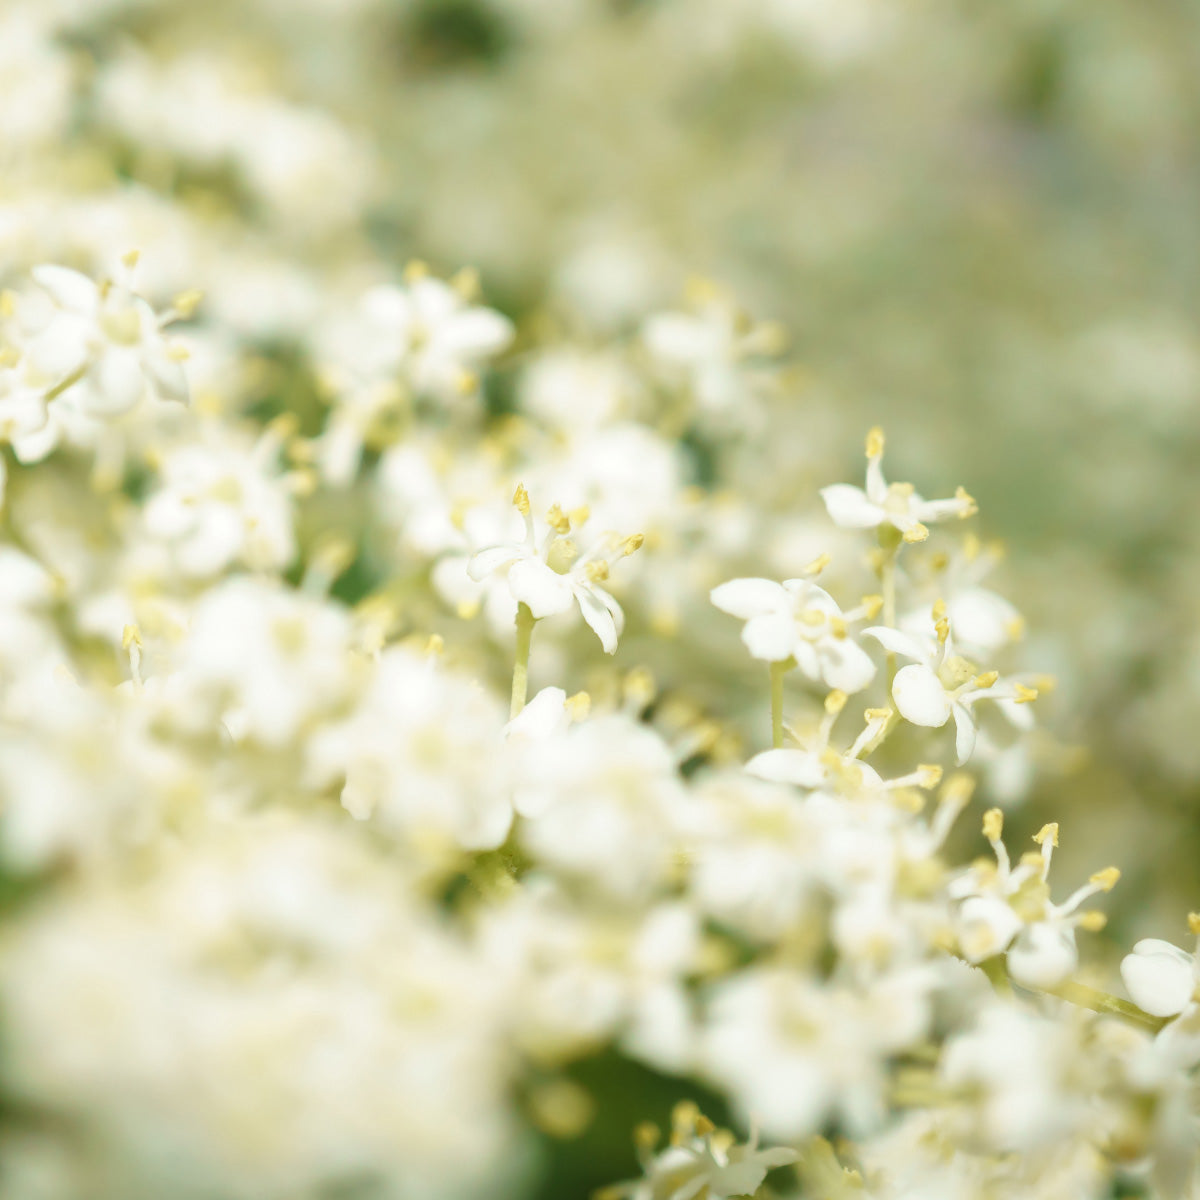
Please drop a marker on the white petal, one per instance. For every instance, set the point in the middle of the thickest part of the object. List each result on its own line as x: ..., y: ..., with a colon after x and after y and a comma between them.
x: 849, y: 507
x: 1160, y: 977
x: 167, y: 375
x: 546, y: 592
x: 600, y: 616
x: 494, y: 558
x: 544, y: 715
x: 964, y: 732
x: 118, y: 383
x: 772, y: 638
x: 920, y: 697
x: 68, y: 289
x: 788, y: 766
x: 475, y: 334
x: 678, y: 338
x: 986, y: 925
x: 899, y: 643
x: 746, y: 598
x: 1043, y: 956
x: 845, y: 665
x: 981, y: 618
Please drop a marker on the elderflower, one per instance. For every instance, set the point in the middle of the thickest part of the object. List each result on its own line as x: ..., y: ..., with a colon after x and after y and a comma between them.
x: 796, y: 620
x: 1162, y: 978
x: 701, y: 1160
x: 940, y: 684
x: 897, y: 504
x: 549, y: 575
x: 107, y: 339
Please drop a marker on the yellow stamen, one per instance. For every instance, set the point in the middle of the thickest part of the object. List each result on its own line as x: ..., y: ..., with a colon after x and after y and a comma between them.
x: 917, y: 533
x: 1194, y: 923
x: 818, y: 564
x: 632, y: 544
x: 521, y: 500
x: 186, y: 303
x: 967, y: 500
x: 1024, y: 695
x: 558, y: 520
x: 872, y: 606
x: 578, y: 706
x: 1048, y: 833
x: 987, y: 679
x: 835, y: 702
x: 1106, y: 879
x: 875, y: 443
x: 931, y: 775
x: 1092, y: 920
x: 993, y: 824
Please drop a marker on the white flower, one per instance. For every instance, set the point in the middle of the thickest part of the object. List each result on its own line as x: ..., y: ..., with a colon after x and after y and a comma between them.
x: 107, y: 338
x: 222, y: 501
x: 551, y: 576
x: 701, y: 1161
x: 1161, y: 978
x: 798, y: 620
x: 940, y: 684
x: 1008, y: 908
x: 896, y: 504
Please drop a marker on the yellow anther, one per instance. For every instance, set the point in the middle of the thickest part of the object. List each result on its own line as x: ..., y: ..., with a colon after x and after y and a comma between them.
x: 639, y: 687
x: 130, y: 259
x: 931, y: 775
x: 939, y: 561
x: 468, y: 610
x: 1048, y: 833
x: 521, y: 500
x: 9, y: 356
x: 818, y: 564
x: 178, y: 353
x: 831, y: 758
x: 646, y: 1135
x: 466, y: 283
x: 558, y: 520
x: 1106, y: 880
x: 597, y: 570
x: 1045, y: 684
x: 435, y: 645
x: 415, y: 271
x: 993, y: 824
x: 704, y: 1126
x: 958, y: 789
x: 942, y: 628
x: 284, y: 427
x: 632, y: 544
x: 838, y: 627
x: 1015, y: 628
x: 987, y: 679
x: 1024, y: 695
x: 835, y: 702
x: 877, y: 714
x: 578, y: 706
x: 938, y: 611
x: 916, y: 533
x: 683, y: 1120
x: 466, y: 383
x: 875, y: 443
x: 131, y: 636
x: 186, y: 303
x: 698, y: 290
x: 579, y: 515
x: 970, y: 508
x: 812, y: 617
x: 872, y: 606
x: 1193, y: 920
x: 972, y: 547
x: 1092, y: 920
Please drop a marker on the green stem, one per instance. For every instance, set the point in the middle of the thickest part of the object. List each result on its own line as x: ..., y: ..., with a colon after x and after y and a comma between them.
x: 70, y: 381
x: 520, y: 684
x: 1083, y: 996
x: 778, y: 671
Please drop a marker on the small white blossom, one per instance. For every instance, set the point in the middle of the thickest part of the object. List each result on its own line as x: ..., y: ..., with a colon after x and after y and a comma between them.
x: 1161, y: 978
x: 896, y: 504
x: 106, y: 338
x: 798, y: 620
x: 550, y: 576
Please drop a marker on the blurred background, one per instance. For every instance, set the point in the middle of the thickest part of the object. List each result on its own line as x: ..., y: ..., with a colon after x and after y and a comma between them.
x: 979, y: 224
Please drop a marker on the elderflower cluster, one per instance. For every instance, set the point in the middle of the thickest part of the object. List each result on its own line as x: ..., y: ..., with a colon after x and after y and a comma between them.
x: 452, y: 724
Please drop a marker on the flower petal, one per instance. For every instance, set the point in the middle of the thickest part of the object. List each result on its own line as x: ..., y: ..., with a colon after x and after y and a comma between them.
x: 746, y: 598
x: 845, y: 665
x: 1159, y: 977
x: 494, y: 558
x: 602, y: 617
x: 1043, y: 955
x: 788, y: 766
x: 771, y: 637
x: 546, y: 592
x: 68, y: 289
x: 849, y: 507
x: 896, y: 642
x: 964, y: 732
x: 920, y: 697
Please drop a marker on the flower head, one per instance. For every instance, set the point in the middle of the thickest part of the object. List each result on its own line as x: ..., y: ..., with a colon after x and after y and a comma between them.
x: 895, y: 504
